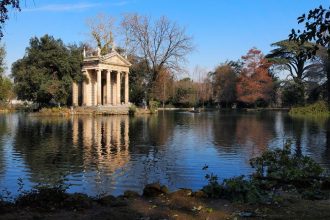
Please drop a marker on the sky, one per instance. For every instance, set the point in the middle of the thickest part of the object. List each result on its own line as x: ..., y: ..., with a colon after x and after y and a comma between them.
x: 221, y: 29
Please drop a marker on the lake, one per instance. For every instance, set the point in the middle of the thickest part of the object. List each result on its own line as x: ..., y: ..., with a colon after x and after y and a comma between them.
x: 108, y: 155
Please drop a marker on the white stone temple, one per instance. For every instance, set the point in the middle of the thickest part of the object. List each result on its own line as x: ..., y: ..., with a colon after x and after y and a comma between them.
x: 106, y: 78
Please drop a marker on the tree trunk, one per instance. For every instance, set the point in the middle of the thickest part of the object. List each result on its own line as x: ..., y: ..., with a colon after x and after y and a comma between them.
x: 328, y: 78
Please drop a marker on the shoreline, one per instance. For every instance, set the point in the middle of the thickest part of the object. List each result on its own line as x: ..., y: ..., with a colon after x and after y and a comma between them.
x: 157, y: 203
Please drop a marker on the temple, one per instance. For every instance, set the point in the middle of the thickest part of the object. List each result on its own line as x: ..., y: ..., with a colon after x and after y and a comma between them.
x: 105, y: 81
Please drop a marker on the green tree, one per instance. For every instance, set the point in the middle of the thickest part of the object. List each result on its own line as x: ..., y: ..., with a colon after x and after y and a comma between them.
x: 4, y: 5
x: 6, y: 87
x: 45, y: 73
x: 224, y: 81
x: 137, y: 80
x: 292, y: 56
x: 185, y: 93
x: 316, y: 28
x: 5, y: 83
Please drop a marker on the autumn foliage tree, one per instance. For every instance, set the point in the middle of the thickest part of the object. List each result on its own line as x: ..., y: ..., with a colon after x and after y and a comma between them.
x: 254, y: 83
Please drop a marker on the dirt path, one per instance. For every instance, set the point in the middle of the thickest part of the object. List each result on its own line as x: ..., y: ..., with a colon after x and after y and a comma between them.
x: 178, y: 205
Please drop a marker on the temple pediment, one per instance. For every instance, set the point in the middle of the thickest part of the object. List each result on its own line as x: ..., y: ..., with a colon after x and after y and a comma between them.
x: 114, y: 58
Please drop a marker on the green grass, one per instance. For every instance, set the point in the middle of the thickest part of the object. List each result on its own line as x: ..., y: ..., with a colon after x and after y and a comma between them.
x: 317, y: 109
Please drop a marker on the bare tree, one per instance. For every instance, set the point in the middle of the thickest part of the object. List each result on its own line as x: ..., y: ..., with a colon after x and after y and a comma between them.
x: 101, y: 29
x: 162, y: 43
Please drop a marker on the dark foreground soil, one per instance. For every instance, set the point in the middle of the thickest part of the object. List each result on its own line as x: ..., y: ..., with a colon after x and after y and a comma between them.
x: 178, y: 205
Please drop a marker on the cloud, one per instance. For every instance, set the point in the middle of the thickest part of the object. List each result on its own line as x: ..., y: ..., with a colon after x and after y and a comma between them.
x: 71, y: 7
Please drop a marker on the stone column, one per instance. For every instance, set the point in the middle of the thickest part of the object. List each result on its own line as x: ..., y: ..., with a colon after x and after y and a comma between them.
x: 118, y: 88
x: 108, y: 87
x: 74, y: 93
x: 85, y: 88
x: 126, y: 88
x: 99, y: 87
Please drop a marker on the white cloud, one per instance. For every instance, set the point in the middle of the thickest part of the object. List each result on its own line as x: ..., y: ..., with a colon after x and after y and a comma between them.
x: 71, y: 7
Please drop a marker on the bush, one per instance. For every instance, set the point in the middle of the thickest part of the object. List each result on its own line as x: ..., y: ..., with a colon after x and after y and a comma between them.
x: 43, y: 197
x: 241, y: 190
x: 132, y: 109
x: 153, y: 106
x: 284, y: 167
x: 317, y: 109
x: 274, y: 169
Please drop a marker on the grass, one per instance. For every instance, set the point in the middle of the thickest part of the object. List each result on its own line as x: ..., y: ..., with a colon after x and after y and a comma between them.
x: 317, y: 109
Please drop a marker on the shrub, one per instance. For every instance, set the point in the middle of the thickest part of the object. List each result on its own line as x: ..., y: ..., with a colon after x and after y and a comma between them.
x: 43, y: 197
x: 132, y: 109
x: 153, y: 106
x: 241, y: 190
x: 318, y: 108
x: 284, y: 167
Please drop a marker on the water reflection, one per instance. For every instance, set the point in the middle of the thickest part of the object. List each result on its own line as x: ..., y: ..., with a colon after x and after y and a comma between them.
x: 59, y: 150
x: 112, y: 154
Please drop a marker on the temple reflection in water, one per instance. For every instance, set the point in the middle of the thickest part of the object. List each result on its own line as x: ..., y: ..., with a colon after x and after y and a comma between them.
x: 106, y: 138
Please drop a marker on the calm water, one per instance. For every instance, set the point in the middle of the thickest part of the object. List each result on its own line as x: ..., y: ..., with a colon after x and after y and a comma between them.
x: 97, y: 155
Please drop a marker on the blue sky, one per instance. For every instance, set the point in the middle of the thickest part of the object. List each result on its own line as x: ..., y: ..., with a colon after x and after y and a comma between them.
x: 222, y: 29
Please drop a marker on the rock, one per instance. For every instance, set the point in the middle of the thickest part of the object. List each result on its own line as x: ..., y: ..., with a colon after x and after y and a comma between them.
x: 131, y: 194
x: 78, y: 201
x: 154, y: 189
x: 113, y: 201
x: 106, y: 200
x: 182, y: 193
x: 247, y: 214
x: 164, y: 189
x: 200, y: 194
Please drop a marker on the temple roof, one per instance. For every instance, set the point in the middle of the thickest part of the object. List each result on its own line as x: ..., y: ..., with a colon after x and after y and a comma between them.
x: 113, y: 58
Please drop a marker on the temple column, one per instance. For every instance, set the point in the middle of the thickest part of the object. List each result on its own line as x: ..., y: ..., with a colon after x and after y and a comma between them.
x: 126, y: 88
x: 118, y: 88
x: 99, y: 87
x: 108, y: 87
x: 85, y: 88
x: 74, y: 93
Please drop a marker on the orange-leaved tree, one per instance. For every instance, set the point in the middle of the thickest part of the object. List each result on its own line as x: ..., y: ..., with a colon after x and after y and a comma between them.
x: 254, y: 82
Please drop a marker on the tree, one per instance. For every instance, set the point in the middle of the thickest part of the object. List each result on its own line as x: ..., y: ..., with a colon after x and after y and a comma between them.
x: 205, y: 90
x: 292, y: 56
x: 162, y: 89
x: 161, y: 43
x: 137, y: 80
x: 6, y: 87
x: 317, y: 28
x: 185, y: 93
x: 4, y: 5
x: 101, y: 31
x: 5, y: 83
x: 254, y: 83
x: 224, y: 81
x: 46, y: 71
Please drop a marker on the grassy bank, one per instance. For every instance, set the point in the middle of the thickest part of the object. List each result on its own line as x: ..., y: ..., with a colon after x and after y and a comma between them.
x: 316, y: 109
x: 283, y: 186
x: 55, y: 111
